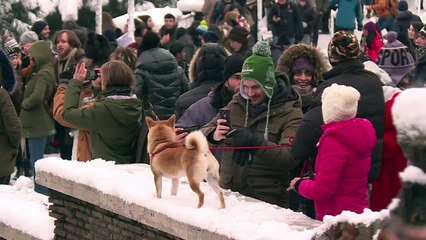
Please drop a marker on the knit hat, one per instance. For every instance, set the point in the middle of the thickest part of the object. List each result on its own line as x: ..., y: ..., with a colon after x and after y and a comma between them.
x: 239, y: 34
x: 202, y: 28
x: 7, y: 74
x: 423, y: 31
x: 402, y: 5
x: 343, y: 46
x: 210, y: 37
x: 302, y: 64
x: 150, y: 40
x: 395, y: 58
x: 339, y: 102
x: 260, y: 67
x: 28, y: 37
x: 232, y: 65
x: 97, y: 48
x: 38, y: 26
x: 11, y: 47
x: 176, y: 47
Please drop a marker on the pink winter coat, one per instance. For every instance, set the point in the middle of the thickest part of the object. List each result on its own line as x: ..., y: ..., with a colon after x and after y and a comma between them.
x: 374, y: 50
x: 341, y: 168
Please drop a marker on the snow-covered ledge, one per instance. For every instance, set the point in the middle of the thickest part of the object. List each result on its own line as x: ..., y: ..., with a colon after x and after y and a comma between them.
x: 99, y: 199
x: 128, y: 190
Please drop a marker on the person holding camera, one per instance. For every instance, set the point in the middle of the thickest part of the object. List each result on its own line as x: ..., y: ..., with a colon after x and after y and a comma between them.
x: 112, y: 119
x: 97, y: 51
x: 265, y: 115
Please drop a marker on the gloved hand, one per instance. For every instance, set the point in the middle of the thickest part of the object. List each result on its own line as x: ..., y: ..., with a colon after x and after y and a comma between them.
x: 244, y: 137
x: 304, y: 24
x: 66, y: 76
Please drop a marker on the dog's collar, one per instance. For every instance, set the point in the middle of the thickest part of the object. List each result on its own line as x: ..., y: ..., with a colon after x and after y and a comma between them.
x: 162, y: 148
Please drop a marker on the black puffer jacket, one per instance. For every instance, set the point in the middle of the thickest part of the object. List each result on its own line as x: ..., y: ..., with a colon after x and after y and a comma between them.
x: 371, y: 106
x: 160, y: 80
x: 290, y: 24
x: 403, y: 20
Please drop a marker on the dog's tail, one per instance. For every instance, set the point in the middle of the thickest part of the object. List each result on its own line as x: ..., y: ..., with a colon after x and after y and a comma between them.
x: 196, y: 140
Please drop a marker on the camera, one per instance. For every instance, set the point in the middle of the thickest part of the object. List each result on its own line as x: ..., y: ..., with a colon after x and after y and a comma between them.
x: 91, y: 74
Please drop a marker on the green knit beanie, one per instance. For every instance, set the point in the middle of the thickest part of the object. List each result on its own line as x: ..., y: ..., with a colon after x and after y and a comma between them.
x: 260, y: 67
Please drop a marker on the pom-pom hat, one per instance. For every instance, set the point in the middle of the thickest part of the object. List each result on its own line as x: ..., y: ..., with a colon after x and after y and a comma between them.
x: 260, y: 67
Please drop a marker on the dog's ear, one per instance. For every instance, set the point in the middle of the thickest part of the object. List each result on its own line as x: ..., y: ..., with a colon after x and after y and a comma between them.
x: 149, y: 121
x: 171, y: 121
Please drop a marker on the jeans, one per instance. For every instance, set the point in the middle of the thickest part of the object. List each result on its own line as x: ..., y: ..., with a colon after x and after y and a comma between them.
x: 36, y: 147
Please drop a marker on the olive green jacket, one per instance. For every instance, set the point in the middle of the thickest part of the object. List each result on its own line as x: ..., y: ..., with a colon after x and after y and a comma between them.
x: 112, y: 122
x: 35, y: 116
x: 10, y: 134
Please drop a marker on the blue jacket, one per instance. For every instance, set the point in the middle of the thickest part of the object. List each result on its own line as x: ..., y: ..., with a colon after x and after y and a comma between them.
x: 348, y: 12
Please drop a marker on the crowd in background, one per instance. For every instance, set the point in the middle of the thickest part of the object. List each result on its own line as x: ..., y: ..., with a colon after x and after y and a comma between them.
x: 318, y: 126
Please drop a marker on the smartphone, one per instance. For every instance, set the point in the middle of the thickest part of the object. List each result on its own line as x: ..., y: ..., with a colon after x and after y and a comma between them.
x: 225, y: 113
x: 188, y: 129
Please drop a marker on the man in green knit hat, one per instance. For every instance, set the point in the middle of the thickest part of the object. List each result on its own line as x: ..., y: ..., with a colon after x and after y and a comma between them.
x: 265, y: 115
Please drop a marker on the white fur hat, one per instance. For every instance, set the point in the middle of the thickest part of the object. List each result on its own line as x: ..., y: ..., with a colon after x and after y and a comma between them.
x: 339, y: 103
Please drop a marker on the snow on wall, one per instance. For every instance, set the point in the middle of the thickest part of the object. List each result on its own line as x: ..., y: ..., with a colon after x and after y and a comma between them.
x: 409, y: 113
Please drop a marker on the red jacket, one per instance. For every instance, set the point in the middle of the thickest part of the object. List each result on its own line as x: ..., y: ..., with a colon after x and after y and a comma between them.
x: 341, y: 168
x: 393, y: 161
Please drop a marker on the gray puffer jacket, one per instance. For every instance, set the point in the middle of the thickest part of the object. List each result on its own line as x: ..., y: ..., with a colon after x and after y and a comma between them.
x: 160, y: 80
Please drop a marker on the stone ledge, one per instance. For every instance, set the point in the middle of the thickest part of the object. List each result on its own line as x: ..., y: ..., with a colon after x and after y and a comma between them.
x: 10, y: 233
x: 130, y: 210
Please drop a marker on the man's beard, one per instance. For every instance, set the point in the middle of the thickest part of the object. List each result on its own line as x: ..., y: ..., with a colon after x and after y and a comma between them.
x: 64, y: 53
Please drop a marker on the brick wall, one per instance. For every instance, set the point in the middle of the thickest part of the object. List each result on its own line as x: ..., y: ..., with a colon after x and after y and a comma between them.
x: 77, y: 219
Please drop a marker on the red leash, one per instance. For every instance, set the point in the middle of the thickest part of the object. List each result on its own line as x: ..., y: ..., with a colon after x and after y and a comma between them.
x: 249, y: 147
x: 176, y: 145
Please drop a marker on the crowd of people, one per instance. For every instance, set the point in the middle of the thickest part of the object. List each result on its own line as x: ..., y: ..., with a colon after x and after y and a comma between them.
x: 306, y: 131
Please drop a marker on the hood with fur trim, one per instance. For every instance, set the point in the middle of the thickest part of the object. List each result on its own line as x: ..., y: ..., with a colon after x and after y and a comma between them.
x: 290, y: 55
x: 7, y: 74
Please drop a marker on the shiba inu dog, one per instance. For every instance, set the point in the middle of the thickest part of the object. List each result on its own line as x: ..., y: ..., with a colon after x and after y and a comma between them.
x: 169, y: 158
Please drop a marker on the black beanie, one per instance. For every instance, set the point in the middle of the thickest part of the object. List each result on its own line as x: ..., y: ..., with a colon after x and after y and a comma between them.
x: 97, y: 48
x: 38, y: 26
x: 239, y: 34
x: 403, y: 6
x: 176, y: 47
x: 149, y: 40
x: 232, y: 65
